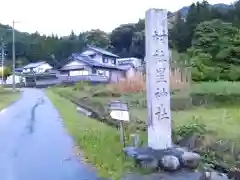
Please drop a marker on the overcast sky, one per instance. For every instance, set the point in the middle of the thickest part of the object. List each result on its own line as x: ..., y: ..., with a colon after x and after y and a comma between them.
x: 62, y: 16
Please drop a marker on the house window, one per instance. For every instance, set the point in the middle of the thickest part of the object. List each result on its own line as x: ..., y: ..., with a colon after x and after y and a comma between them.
x: 113, y: 61
x: 92, y: 55
x: 94, y: 71
x: 64, y: 72
x: 100, y: 72
x: 105, y: 60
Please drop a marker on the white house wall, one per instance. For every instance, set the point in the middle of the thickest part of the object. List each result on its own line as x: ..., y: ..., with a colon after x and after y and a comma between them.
x: 103, y: 72
x: 78, y: 73
x: 116, y: 75
x: 18, y: 79
x: 98, y: 58
x: 85, y: 71
x: 75, y: 63
x: 40, y: 69
x: 26, y: 70
x: 135, y: 61
x: 130, y: 73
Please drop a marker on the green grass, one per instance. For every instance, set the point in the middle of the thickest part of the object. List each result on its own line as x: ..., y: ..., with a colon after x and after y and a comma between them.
x: 222, y: 119
x: 225, y: 115
x: 7, y: 97
x: 225, y: 122
x: 99, y: 142
x: 217, y: 88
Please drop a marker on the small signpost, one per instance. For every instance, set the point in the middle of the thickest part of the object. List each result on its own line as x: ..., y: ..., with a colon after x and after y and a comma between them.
x: 119, y: 111
x: 158, y: 88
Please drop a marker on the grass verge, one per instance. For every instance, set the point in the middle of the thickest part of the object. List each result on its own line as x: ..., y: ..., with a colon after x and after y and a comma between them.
x: 220, y: 141
x: 7, y: 98
x: 99, y: 142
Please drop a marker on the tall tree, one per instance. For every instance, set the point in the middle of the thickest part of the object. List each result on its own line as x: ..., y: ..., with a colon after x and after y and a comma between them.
x: 215, y: 53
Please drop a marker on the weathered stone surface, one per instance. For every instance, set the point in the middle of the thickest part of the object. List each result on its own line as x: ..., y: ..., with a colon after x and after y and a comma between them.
x: 178, y: 175
x: 170, y: 163
x: 157, y: 79
x: 191, y: 142
x: 149, y: 165
x: 213, y: 176
x: 182, y: 149
x: 147, y: 162
x: 170, y: 159
x: 190, y: 159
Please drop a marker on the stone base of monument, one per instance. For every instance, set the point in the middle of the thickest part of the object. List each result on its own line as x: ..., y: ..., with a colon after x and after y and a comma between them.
x: 170, y: 160
x: 178, y: 175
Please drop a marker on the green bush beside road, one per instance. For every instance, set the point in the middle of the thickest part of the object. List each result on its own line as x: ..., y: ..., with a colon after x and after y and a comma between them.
x: 7, y: 97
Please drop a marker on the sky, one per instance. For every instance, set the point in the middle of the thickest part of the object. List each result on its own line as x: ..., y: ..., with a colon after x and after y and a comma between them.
x: 62, y: 16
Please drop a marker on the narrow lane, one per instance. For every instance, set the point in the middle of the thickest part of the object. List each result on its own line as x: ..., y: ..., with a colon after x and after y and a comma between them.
x: 34, y: 145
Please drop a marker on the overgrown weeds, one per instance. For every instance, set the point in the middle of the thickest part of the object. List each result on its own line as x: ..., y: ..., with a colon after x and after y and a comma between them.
x: 99, y: 142
x: 204, y: 128
x: 7, y: 97
x: 137, y: 83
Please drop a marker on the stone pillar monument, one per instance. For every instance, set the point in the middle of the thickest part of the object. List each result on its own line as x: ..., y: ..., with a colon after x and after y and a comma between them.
x: 158, y: 86
x: 160, y: 152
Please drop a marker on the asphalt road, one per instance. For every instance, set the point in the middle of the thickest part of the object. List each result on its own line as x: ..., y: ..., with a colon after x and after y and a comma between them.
x: 34, y: 145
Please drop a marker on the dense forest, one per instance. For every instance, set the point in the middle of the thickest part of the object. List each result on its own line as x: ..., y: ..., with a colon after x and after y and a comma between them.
x: 206, y: 36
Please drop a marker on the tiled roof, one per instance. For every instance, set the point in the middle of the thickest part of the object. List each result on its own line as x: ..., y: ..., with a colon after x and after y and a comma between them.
x: 102, y: 51
x: 33, y: 65
x: 74, y: 67
x: 18, y: 69
x: 135, y: 62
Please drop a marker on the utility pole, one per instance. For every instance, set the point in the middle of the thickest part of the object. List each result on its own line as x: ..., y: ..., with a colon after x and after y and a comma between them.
x: 13, y: 56
x: 2, y: 53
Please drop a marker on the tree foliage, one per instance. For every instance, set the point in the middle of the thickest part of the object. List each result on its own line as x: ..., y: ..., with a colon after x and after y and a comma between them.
x: 210, y: 37
x: 206, y: 35
x: 215, y: 51
x: 6, y: 71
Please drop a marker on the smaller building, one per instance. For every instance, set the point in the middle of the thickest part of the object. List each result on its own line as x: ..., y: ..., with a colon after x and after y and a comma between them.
x: 38, y: 67
x: 125, y: 61
x: 18, y: 79
x: 131, y: 66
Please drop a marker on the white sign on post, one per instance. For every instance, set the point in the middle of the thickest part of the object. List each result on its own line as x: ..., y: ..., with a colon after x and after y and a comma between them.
x: 158, y: 86
x: 119, y: 111
x: 120, y: 115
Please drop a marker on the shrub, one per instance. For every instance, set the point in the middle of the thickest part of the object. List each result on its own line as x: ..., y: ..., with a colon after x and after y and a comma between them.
x: 104, y: 91
x: 81, y: 85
